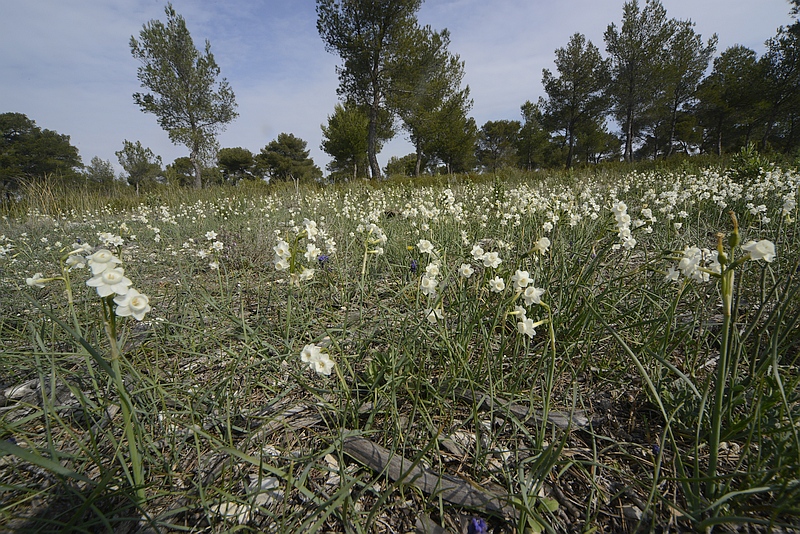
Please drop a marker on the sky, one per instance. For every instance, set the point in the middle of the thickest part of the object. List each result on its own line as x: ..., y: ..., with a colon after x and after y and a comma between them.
x: 67, y: 65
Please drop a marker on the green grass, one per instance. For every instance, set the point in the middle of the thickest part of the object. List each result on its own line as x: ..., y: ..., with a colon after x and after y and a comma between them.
x: 221, y: 404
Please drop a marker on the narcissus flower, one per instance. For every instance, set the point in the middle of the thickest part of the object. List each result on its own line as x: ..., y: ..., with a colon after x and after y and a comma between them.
x: 466, y: 270
x: 760, y: 250
x: 525, y: 326
x: 317, y: 360
x: 521, y: 280
x: 109, y: 282
x: 425, y: 246
x: 492, y: 259
x: 532, y: 295
x: 101, y: 260
x: 37, y: 280
x: 542, y: 245
x: 497, y: 284
x: 133, y: 304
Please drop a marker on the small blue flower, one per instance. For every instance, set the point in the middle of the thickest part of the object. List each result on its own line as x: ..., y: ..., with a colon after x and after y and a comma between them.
x: 414, y: 266
x: 656, y: 449
x: 323, y: 259
x: 477, y: 525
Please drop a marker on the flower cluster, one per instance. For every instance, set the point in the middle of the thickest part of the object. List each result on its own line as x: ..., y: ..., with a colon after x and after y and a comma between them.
x: 108, y: 278
x: 627, y: 241
x: 701, y: 264
x: 317, y: 360
x: 287, y: 257
x: 374, y: 237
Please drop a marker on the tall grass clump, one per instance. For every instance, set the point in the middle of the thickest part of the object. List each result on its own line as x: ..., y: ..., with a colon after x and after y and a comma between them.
x: 613, y: 350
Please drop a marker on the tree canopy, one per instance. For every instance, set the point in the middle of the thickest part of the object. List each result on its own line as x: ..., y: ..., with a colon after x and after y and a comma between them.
x: 286, y: 158
x: 28, y: 152
x: 189, y: 102
x: 371, y: 37
x: 141, y: 165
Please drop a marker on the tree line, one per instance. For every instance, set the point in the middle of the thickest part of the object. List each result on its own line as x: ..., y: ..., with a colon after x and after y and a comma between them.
x: 657, y: 91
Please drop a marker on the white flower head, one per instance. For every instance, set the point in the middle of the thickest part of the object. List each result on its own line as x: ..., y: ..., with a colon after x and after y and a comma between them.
x: 760, y: 250
x: 541, y: 245
x: 532, y: 295
x: 133, y: 304
x: 101, y: 260
x: 497, y: 284
x: 466, y: 270
x: 109, y: 282
x: 477, y: 252
x: 317, y: 360
x: 312, y: 252
x: 492, y: 259
x: 525, y: 326
x: 211, y: 236
x: 521, y: 280
x: 425, y: 246
x: 37, y: 280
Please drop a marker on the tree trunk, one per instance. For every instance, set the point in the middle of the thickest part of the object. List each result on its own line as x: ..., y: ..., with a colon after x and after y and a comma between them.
x: 629, y: 136
x: 673, y: 124
x: 571, y: 143
x: 198, y: 171
x: 419, y: 160
x: 372, y: 138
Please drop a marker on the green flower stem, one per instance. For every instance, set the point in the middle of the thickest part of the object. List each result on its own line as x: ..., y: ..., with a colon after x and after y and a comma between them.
x: 727, y: 282
x: 124, y: 400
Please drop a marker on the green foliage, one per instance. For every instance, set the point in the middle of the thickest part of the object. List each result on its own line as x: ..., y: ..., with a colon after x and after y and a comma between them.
x: 497, y: 144
x: 369, y: 36
x: 99, y: 171
x: 730, y: 100
x: 577, y: 97
x: 405, y: 166
x: 29, y: 153
x: 189, y: 102
x: 286, y: 158
x: 345, y: 139
x: 236, y: 164
x: 141, y: 165
x: 636, y: 50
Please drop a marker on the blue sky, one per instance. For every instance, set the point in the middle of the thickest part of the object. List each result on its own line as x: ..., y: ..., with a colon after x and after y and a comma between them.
x: 67, y: 65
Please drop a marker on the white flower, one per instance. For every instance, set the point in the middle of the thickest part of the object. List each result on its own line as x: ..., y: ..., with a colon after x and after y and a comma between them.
x: 281, y: 264
x: 542, y: 245
x: 317, y: 360
x: 35, y: 280
x: 433, y: 315
x: 217, y: 246
x: 306, y: 274
x: 214, y: 265
x: 477, y: 252
x: 760, y: 250
x: 312, y: 252
x: 425, y: 246
x: 101, y: 260
x: 492, y: 259
x: 211, y: 236
x: 311, y: 229
x: 672, y: 275
x: 466, y: 270
x: 110, y: 281
x: 76, y: 262
x: 428, y: 285
x: 497, y: 284
x: 432, y: 269
x: 525, y: 326
x: 133, y: 304
x: 532, y: 295
x: 282, y: 249
x: 521, y: 279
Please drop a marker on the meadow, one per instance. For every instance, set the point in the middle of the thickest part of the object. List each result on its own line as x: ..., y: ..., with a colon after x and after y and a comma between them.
x: 591, y: 352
